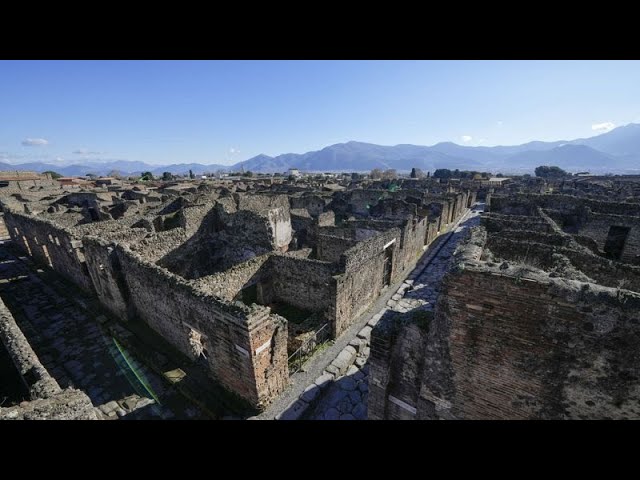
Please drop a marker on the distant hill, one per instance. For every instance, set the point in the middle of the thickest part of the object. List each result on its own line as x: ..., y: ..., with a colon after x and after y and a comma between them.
x: 617, y: 151
x: 567, y: 157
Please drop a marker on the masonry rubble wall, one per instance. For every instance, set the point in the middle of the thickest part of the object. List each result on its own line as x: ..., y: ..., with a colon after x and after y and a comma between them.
x: 48, y: 400
x: 530, y: 347
x: 50, y: 245
x: 246, y: 346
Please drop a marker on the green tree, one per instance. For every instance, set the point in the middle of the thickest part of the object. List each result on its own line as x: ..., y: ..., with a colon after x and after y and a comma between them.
x: 248, y: 173
x: 54, y: 175
x: 443, y: 173
x: 166, y: 176
x: 146, y: 176
x: 546, y: 171
x: 376, y: 174
x: 390, y: 173
x: 191, y: 175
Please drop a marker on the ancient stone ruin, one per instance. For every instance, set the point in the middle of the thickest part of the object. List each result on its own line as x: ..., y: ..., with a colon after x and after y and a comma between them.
x: 240, y: 279
x: 537, y: 317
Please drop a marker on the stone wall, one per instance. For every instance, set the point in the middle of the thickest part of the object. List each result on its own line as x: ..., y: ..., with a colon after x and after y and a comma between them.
x: 540, y: 349
x: 107, y: 277
x: 330, y: 248
x: 229, y: 283
x: 246, y: 346
x: 304, y: 283
x: 48, y: 400
x: 603, y: 271
x: 362, y: 280
x: 396, y: 364
x: 50, y: 245
x: 526, y: 204
x: 504, y: 344
x: 596, y: 226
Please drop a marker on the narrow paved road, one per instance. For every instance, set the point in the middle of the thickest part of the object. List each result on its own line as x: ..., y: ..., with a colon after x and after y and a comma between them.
x: 346, y: 398
x: 77, y: 351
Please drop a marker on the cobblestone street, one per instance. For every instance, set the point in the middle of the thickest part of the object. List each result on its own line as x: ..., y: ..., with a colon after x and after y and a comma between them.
x: 346, y: 397
x: 76, y: 349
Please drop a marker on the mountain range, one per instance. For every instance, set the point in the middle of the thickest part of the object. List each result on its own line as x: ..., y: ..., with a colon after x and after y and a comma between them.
x: 617, y: 151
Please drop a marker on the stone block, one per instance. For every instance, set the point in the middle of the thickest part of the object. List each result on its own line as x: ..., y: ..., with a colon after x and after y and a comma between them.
x: 310, y: 393
x: 365, y: 333
x: 324, y: 380
x: 294, y: 410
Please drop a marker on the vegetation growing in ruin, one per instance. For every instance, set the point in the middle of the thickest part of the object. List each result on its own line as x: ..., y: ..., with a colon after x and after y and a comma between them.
x: 54, y: 175
x: 545, y: 171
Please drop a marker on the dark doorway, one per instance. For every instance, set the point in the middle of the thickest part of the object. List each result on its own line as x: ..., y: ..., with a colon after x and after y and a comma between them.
x: 93, y: 213
x: 616, y: 239
x: 388, y: 266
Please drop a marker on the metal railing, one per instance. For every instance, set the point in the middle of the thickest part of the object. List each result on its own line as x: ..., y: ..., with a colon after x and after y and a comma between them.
x: 302, y: 354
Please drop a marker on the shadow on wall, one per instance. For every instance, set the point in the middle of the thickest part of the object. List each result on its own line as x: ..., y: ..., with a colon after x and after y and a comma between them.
x: 222, y: 241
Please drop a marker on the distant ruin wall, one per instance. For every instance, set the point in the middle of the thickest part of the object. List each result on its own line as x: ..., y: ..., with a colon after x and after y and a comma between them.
x: 526, y: 204
x: 605, y: 272
x: 597, y: 227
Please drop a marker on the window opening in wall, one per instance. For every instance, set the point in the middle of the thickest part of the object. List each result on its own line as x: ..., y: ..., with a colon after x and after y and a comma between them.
x: 616, y: 239
x: 46, y: 254
x: 26, y: 245
x: 388, y: 265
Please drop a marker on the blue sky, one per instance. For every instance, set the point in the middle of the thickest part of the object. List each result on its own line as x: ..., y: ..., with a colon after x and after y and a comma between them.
x: 207, y: 112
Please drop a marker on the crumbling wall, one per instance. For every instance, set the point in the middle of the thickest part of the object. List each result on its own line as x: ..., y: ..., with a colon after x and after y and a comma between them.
x: 396, y: 368
x: 362, y: 280
x: 304, y: 283
x: 229, y: 283
x: 596, y: 226
x: 540, y: 349
x: 330, y: 248
x: 48, y: 400
x: 106, y: 276
x: 605, y: 272
x: 246, y: 346
x: 50, y: 245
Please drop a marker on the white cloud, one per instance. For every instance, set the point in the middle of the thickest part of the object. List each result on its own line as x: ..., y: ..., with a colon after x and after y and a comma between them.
x: 499, y: 123
x: 59, y: 159
x: 603, y: 127
x: 233, y: 150
x: 466, y: 138
x: 35, y: 142
x: 482, y: 140
x: 85, y: 151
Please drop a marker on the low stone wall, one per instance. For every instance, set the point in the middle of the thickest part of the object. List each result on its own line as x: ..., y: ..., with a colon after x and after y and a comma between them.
x: 606, y: 272
x: 48, y: 400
